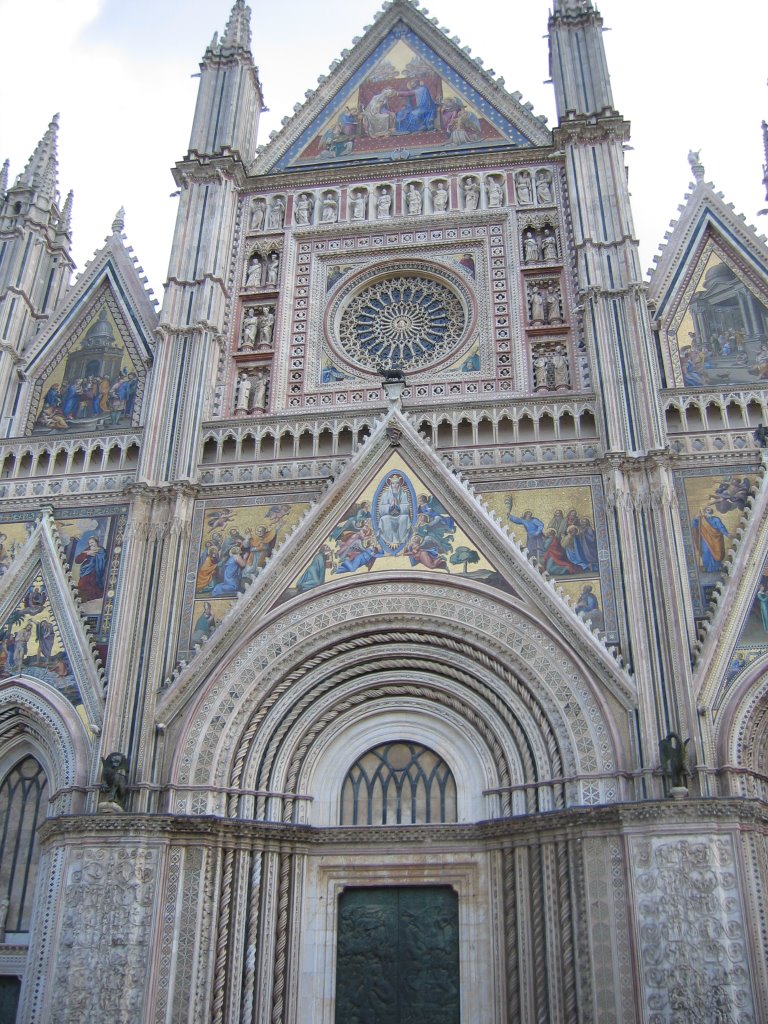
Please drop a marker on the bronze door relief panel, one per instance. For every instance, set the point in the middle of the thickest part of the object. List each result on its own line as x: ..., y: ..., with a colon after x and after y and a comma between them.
x: 398, y: 956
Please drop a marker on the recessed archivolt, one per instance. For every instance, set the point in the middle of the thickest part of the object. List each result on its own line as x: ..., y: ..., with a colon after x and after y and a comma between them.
x: 743, y: 732
x: 255, y: 723
x: 52, y: 733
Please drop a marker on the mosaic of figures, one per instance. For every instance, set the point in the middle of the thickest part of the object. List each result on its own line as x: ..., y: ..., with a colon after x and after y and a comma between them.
x: 412, y: 197
x: 712, y: 508
x: 30, y: 643
x: 395, y: 525
x: 232, y: 545
x: 753, y: 639
x: 403, y: 100
x: 95, y: 385
x: 564, y: 529
x: 722, y: 332
x: 92, y: 540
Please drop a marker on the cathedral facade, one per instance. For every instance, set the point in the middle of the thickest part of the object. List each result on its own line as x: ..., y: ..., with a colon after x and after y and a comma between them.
x: 385, y: 620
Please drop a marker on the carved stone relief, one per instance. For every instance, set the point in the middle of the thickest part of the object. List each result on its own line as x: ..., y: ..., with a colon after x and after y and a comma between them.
x: 108, y: 902
x: 691, y: 939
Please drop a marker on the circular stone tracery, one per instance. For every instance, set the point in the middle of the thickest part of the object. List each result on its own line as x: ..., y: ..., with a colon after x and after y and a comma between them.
x: 406, y: 321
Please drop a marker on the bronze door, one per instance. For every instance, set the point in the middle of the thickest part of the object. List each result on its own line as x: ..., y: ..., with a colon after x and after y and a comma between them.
x: 398, y: 956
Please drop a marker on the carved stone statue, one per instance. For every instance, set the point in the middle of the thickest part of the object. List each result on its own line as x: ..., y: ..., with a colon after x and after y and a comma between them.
x: 266, y: 324
x: 273, y: 268
x: 761, y: 436
x: 303, y: 213
x: 524, y: 188
x: 253, y: 273
x: 384, y: 204
x: 531, y: 250
x: 562, y: 376
x: 330, y: 209
x: 540, y: 375
x: 243, y: 396
x: 440, y: 198
x: 114, y: 778
x: 495, y: 193
x: 358, y: 204
x: 552, y: 305
x: 549, y: 245
x: 413, y: 199
x: 250, y: 328
x: 258, y: 212
x: 537, y: 306
x: 276, y: 213
x: 260, y: 382
x: 544, y: 188
x: 471, y: 194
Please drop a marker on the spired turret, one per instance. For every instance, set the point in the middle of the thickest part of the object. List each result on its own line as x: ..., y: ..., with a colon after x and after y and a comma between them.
x: 229, y: 100
x: 35, y: 250
x: 577, y: 61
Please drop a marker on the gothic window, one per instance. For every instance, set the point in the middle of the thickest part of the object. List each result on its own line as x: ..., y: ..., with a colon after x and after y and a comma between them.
x: 398, y: 783
x: 23, y: 806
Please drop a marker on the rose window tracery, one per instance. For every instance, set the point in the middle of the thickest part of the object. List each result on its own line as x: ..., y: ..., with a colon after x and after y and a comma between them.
x: 406, y: 321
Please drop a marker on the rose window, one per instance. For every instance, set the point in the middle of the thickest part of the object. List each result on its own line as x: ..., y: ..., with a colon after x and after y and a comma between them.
x: 405, y: 321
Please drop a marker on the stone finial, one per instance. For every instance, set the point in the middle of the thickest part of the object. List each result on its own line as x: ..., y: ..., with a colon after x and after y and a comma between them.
x: 765, y: 150
x: 696, y: 165
x: 65, y: 220
x: 237, y: 34
x: 571, y: 7
x: 4, y: 177
x: 118, y: 224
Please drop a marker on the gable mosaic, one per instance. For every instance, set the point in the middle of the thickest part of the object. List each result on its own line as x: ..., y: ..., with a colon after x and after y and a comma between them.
x: 711, y: 508
x: 396, y: 524
x: 94, y: 385
x: 404, y: 100
x: 30, y: 644
x: 722, y: 331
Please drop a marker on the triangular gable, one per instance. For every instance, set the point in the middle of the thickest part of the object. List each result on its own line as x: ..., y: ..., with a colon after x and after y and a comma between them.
x: 699, y: 309
x: 715, y: 324
x: 42, y: 634
x: 404, y: 90
x: 396, y: 524
x: 395, y: 447
x: 98, y: 344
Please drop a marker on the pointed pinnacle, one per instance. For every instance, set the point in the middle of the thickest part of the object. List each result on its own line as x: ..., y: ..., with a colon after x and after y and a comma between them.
x: 4, y: 177
x: 571, y: 6
x: 118, y: 224
x: 65, y: 220
x: 237, y: 34
x: 42, y: 169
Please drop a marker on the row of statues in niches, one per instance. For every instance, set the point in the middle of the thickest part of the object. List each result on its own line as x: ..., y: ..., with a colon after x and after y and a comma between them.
x: 419, y: 197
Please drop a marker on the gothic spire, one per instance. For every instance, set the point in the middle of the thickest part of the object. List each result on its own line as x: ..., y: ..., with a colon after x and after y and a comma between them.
x: 4, y: 178
x: 41, y: 171
x: 118, y: 224
x: 765, y: 165
x: 237, y: 34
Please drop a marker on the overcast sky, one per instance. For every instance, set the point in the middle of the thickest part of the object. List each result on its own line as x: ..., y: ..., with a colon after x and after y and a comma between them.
x: 688, y: 74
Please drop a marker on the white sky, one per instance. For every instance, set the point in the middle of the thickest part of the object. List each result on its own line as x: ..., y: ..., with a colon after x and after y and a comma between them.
x: 688, y: 74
